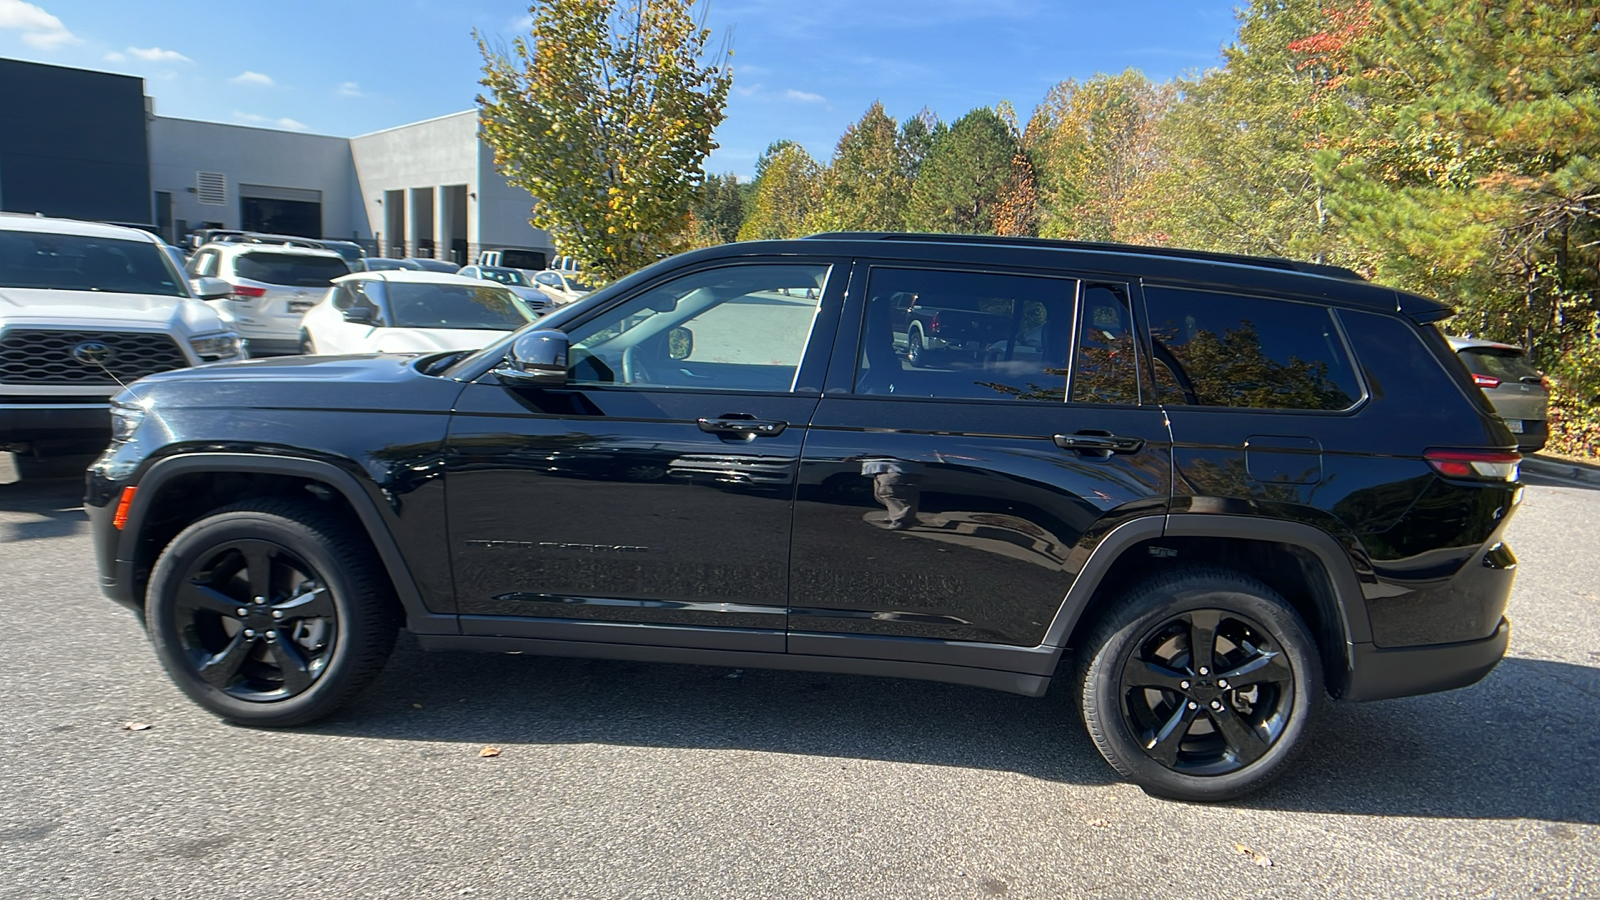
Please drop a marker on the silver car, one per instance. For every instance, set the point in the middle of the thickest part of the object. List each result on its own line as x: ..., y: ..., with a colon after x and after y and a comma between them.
x: 1518, y: 391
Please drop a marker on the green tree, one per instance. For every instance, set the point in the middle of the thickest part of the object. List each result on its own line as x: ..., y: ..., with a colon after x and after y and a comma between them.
x: 866, y: 186
x: 965, y: 177
x: 719, y: 210
x: 605, y: 113
x: 787, y: 191
x: 917, y: 135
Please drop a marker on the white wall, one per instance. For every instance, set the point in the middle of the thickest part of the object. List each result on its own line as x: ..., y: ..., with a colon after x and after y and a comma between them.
x: 181, y: 147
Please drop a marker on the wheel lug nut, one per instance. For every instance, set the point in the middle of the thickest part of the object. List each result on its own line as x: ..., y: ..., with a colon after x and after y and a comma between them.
x: 249, y: 632
x: 1222, y: 683
x: 1182, y: 684
x: 1215, y: 704
x: 273, y: 635
x: 260, y: 599
x: 278, y: 614
x: 1203, y: 669
x: 243, y: 612
x: 1193, y: 705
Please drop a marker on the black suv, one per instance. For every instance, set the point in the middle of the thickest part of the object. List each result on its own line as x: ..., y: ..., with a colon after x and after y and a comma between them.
x: 1203, y: 491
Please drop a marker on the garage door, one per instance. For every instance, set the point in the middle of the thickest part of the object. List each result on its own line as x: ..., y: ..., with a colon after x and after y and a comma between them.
x: 280, y: 210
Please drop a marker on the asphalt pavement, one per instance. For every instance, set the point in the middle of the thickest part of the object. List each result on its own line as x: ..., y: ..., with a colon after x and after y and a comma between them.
x: 630, y: 780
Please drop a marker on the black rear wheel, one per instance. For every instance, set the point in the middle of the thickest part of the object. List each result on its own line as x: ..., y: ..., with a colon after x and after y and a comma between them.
x: 1200, y: 685
x: 270, y: 612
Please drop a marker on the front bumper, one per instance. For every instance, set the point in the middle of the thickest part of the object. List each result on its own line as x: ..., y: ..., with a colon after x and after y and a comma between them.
x: 48, y: 421
x: 1383, y: 673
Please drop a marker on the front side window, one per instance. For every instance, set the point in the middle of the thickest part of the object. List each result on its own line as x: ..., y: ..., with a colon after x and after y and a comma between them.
x: 1219, y: 349
x: 966, y: 335
x: 69, y: 262
x: 742, y: 328
x: 290, y: 269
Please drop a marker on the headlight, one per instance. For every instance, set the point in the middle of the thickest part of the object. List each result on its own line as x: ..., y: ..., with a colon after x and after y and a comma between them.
x: 125, y: 420
x: 213, y: 347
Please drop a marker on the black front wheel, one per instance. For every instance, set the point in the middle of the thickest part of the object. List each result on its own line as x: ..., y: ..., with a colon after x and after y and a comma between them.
x: 270, y: 612
x: 1200, y: 685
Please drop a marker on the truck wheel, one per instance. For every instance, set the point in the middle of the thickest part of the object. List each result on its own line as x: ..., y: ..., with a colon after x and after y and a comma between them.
x: 916, y: 349
x: 270, y: 612
x: 1200, y: 685
x: 307, y: 346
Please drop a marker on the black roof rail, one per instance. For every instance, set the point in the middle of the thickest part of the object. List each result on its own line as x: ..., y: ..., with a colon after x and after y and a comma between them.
x: 1238, y: 259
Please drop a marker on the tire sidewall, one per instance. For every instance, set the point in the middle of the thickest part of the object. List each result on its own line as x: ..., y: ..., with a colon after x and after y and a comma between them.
x: 916, y: 347
x: 161, y: 615
x: 1102, y: 693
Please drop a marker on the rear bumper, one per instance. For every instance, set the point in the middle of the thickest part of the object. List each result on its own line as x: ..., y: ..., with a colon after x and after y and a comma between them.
x: 1382, y: 673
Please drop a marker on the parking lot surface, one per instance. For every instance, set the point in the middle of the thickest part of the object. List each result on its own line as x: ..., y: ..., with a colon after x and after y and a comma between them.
x: 620, y: 779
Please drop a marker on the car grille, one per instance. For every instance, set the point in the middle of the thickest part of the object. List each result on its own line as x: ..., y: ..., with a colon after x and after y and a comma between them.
x: 46, y: 357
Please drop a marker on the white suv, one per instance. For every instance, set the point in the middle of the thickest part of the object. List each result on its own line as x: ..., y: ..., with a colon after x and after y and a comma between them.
x: 84, y: 308
x: 272, y: 287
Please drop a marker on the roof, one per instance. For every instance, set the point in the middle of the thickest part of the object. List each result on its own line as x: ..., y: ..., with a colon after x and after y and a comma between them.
x: 47, y: 225
x: 1462, y: 343
x: 285, y: 249
x: 411, y: 276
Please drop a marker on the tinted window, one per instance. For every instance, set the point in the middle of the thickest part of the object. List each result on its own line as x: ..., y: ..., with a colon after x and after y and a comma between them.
x: 285, y: 268
x: 454, y: 306
x: 522, y: 259
x: 966, y: 335
x: 1107, y: 366
x: 66, y: 262
x: 1215, y: 349
x: 739, y: 328
x: 1501, y: 363
x: 504, y: 276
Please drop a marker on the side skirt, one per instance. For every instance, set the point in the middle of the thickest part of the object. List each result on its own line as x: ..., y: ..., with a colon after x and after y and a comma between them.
x: 1010, y: 682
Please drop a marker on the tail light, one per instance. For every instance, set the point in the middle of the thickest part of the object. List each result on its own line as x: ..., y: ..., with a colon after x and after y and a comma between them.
x: 244, y: 292
x: 933, y: 324
x: 1485, y: 381
x: 1481, y: 465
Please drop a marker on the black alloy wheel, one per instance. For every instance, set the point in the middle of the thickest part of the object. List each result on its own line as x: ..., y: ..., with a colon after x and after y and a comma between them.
x: 271, y: 612
x: 1200, y: 684
x: 255, y: 620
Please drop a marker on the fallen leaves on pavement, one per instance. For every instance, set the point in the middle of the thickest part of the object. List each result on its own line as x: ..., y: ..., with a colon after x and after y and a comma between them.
x: 1256, y: 856
x: 135, y: 726
x: 489, y: 752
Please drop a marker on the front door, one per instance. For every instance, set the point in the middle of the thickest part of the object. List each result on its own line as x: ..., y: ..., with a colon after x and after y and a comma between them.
x: 655, y: 489
x: 956, y: 499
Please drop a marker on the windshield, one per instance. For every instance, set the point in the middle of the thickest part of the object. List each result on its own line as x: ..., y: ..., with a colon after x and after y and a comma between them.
x: 576, y: 285
x: 506, y: 276
x: 456, y: 306
x: 383, y: 264
x: 1499, y: 362
x: 290, y: 269
x: 66, y: 262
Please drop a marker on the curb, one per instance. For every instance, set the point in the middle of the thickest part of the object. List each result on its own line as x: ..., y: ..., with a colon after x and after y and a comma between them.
x: 1555, y: 468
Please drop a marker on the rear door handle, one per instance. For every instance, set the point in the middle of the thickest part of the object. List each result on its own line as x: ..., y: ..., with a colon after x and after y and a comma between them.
x: 1099, y: 444
x: 743, y: 426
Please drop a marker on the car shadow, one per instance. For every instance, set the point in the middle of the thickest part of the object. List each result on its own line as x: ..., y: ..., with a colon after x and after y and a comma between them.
x: 52, y: 508
x: 1521, y: 744
x: 1552, y: 471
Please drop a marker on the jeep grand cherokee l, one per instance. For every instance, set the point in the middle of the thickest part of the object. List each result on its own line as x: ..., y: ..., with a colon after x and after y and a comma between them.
x: 1218, y: 490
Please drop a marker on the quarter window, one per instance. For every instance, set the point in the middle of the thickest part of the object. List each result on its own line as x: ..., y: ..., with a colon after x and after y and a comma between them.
x: 1217, y: 349
x: 966, y: 335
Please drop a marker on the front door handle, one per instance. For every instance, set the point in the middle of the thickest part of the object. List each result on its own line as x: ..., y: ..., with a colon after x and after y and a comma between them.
x: 742, y: 425
x: 1099, y: 443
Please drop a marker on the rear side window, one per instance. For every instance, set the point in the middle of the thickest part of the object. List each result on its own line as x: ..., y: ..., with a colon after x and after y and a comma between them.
x: 1219, y: 349
x: 1106, y: 369
x: 289, y: 269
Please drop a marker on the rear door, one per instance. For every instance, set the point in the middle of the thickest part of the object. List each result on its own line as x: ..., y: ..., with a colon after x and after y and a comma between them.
x: 957, y: 501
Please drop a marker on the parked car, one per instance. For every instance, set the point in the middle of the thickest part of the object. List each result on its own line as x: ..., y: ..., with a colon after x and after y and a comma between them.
x: 1519, y: 393
x: 516, y: 281
x: 513, y: 258
x: 443, y: 266
x: 385, y: 264
x: 410, y: 312
x: 84, y: 310
x: 930, y: 326
x: 1226, y: 488
x: 563, y: 287
x: 272, y: 287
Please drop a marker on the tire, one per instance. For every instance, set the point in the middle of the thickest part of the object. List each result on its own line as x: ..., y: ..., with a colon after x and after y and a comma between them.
x: 308, y: 347
x: 916, y: 349
x: 1206, y: 756
x: 325, y: 628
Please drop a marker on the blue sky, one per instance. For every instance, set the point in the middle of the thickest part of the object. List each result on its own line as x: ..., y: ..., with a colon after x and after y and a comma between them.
x: 803, y: 69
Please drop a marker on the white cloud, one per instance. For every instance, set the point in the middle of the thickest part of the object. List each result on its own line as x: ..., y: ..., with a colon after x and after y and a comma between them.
x: 803, y: 96
x: 287, y: 124
x: 349, y: 89
x: 742, y: 91
x: 156, y: 54
x: 39, y: 29
x: 255, y: 78
x: 115, y: 57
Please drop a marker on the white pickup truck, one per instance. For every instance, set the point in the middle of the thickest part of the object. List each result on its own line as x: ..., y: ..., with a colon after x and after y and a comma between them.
x: 84, y: 309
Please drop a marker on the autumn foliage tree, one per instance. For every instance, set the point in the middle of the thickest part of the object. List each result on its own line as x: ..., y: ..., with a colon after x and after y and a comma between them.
x: 605, y: 114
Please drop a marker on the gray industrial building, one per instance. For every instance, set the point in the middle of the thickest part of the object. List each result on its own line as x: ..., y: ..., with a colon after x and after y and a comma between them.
x: 89, y: 145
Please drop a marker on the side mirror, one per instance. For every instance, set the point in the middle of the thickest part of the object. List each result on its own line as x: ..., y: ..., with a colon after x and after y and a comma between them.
x: 680, y: 343
x: 208, y: 288
x: 359, y: 315
x: 537, y: 359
